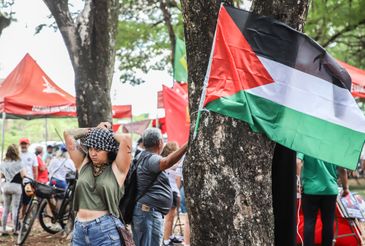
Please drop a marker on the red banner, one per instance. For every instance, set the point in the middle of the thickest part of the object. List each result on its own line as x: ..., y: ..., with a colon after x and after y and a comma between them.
x: 122, y: 111
x: 177, y: 114
x: 161, y: 124
x: 160, y: 99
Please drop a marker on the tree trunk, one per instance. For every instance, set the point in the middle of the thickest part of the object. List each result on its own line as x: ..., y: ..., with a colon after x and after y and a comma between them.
x: 90, y: 40
x: 228, y: 168
x: 292, y: 13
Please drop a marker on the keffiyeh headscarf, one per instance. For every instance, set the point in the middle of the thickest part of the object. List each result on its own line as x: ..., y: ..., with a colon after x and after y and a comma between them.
x: 102, y: 139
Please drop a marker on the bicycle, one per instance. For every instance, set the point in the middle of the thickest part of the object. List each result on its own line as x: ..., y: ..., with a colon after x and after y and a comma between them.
x: 60, y: 217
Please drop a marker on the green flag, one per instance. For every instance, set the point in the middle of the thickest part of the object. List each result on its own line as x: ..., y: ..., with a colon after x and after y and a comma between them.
x: 180, y: 64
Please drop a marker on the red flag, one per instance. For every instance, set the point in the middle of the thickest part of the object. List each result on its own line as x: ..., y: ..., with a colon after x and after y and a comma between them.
x: 122, y: 111
x: 181, y: 89
x: 161, y: 124
x: 160, y: 99
x: 177, y: 115
x: 116, y: 127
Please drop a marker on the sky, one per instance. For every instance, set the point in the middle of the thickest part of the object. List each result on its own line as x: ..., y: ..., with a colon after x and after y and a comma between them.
x: 50, y: 52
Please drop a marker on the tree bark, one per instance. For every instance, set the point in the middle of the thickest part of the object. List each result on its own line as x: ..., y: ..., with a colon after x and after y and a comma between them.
x: 228, y: 168
x: 90, y: 40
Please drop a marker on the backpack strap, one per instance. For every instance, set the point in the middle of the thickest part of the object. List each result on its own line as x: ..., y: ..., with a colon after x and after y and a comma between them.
x: 150, y: 185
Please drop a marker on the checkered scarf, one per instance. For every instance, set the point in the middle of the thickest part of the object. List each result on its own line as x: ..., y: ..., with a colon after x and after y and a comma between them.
x: 102, y: 139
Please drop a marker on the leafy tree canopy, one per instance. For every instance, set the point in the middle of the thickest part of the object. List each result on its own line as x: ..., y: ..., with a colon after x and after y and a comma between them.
x: 143, y: 41
x: 339, y: 26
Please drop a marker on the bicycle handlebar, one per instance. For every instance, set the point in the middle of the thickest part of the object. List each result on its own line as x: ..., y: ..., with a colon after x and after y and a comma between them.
x: 34, y: 182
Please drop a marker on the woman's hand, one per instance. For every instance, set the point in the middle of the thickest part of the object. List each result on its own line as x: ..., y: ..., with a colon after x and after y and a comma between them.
x: 105, y: 125
x: 345, y: 192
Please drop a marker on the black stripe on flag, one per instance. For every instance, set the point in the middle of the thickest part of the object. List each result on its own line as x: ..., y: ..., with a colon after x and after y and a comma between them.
x: 277, y: 41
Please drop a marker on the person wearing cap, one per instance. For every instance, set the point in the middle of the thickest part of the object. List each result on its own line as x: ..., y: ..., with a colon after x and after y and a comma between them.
x: 103, y: 161
x: 59, y: 167
x: 30, y: 163
x: 29, y: 159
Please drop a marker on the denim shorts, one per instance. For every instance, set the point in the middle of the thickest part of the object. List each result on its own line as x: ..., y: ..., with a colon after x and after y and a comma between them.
x: 99, y: 232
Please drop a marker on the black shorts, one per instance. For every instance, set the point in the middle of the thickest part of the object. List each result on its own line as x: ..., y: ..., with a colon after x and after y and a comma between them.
x: 175, y: 199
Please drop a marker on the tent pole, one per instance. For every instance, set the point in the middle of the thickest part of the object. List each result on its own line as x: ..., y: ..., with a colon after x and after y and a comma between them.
x: 46, y: 129
x: 3, y: 135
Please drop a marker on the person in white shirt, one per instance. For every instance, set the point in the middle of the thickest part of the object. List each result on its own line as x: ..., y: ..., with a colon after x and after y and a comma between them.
x: 59, y: 167
x: 29, y: 159
x: 30, y: 164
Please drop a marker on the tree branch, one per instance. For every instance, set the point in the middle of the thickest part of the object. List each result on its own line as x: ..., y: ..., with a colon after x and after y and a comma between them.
x: 4, y: 22
x: 60, y: 11
x: 83, y: 23
x: 170, y: 29
x: 343, y: 31
x: 157, y: 23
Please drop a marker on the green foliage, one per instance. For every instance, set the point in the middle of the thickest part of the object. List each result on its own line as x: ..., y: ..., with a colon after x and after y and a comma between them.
x: 339, y: 26
x: 35, y: 129
x: 142, y: 41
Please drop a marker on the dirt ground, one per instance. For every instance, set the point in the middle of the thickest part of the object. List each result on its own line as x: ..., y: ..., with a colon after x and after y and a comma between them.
x: 37, y: 237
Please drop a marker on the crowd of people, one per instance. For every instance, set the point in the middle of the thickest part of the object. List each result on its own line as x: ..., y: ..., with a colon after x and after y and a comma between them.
x: 20, y: 165
x: 103, y: 160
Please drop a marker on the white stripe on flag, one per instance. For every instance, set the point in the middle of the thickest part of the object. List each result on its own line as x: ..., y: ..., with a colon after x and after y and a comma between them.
x: 310, y: 95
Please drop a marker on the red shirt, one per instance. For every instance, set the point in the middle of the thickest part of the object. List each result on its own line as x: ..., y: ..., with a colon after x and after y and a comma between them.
x: 42, y: 175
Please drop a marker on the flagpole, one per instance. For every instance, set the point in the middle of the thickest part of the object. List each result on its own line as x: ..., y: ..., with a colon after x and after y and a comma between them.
x: 205, y: 84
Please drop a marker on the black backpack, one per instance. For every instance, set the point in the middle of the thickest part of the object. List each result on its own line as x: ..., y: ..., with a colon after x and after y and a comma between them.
x: 129, y: 200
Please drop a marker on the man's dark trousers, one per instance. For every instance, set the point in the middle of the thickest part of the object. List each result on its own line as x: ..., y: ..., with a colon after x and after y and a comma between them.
x: 311, y: 204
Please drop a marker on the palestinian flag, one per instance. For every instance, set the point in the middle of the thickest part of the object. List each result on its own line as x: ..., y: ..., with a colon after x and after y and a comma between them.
x: 285, y: 85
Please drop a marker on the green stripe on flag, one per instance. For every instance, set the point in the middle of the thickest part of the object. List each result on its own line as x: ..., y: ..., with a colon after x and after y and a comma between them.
x: 298, y: 131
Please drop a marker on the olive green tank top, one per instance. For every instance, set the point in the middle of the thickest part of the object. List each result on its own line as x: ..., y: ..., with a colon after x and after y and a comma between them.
x: 98, y: 193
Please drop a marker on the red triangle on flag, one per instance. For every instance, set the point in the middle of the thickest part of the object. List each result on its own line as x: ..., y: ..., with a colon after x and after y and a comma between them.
x: 234, y: 65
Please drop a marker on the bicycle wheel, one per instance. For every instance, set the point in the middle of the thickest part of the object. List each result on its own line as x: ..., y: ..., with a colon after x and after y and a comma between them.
x: 47, y: 220
x: 29, y: 218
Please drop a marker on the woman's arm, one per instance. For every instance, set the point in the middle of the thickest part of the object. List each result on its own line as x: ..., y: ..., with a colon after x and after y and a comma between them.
x: 77, y: 154
x: 123, y: 159
x: 173, y: 158
x: 23, y: 173
x: 344, y: 181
